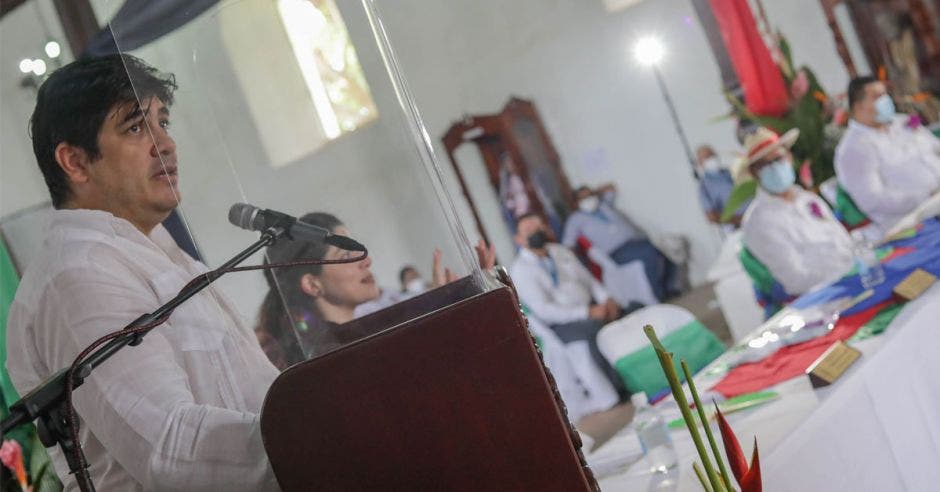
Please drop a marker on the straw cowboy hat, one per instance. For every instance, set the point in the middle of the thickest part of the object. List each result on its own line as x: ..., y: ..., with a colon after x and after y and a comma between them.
x: 761, y: 143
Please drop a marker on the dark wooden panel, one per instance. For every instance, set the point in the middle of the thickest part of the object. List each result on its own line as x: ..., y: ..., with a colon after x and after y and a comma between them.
x: 7, y: 6
x: 457, y: 400
x: 78, y: 22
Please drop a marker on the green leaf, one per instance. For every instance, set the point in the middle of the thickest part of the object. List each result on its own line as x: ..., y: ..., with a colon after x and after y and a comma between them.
x: 741, y: 193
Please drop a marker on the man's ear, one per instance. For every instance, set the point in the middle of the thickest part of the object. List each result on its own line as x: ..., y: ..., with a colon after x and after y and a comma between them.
x: 74, y: 162
x: 311, y: 286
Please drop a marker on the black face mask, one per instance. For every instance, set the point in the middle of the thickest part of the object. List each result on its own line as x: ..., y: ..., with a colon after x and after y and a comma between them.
x: 538, y: 239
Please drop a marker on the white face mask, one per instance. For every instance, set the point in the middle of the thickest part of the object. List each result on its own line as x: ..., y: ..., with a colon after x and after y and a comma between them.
x: 778, y: 176
x: 589, y: 204
x: 884, y: 109
x: 711, y: 164
x: 415, y: 286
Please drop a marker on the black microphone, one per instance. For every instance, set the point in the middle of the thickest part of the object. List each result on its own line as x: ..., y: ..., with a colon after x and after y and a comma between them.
x: 255, y: 219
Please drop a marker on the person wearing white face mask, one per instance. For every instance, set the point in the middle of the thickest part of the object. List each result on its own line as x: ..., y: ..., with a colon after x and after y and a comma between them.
x: 715, y: 184
x: 791, y: 231
x: 606, y: 228
x: 886, y: 165
x: 411, y: 281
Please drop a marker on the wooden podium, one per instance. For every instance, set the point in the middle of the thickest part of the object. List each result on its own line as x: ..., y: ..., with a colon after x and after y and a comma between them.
x: 457, y: 399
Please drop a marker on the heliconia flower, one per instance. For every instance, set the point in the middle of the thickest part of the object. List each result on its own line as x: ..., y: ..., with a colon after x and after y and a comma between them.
x: 736, y: 459
x: 11, y: 455
x: 800, y: 85
x: 747, y: 477
x: 751, y: 481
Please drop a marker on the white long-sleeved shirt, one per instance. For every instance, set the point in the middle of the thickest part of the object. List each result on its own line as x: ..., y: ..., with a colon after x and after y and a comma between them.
x: 564, y: 302
x: 800, y: 242
x: 178, y: 412
x: 888, y: 172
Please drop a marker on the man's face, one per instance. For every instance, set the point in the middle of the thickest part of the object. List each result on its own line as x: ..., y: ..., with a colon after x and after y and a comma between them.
x: 525, y: 228
x: 582, y: 193
x: 780, y: 153
x: 864, y: 110
x: 702, y: 154
x: 409, y: 275
x: 135, y: 177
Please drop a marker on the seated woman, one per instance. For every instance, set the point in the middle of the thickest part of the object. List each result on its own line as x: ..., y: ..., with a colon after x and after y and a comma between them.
x: 303, y: 301
x: 305, y: 304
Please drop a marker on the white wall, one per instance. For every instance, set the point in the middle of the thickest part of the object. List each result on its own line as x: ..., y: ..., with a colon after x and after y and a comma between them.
x: 571, y: 57
x: 22, y: 35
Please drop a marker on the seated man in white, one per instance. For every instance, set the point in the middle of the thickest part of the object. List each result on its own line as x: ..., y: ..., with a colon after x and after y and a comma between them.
x: 887, y: 167
x: 560, y: 292
x: 790, y: 230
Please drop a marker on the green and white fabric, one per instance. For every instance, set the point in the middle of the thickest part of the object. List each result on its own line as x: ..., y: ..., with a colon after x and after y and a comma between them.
x: 625, y: 345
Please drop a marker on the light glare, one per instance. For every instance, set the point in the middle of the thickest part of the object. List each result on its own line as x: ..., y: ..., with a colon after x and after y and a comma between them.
x: 649, y: 50
x: 53, y: 50
x: 39, y: 67
x: 26, y: 65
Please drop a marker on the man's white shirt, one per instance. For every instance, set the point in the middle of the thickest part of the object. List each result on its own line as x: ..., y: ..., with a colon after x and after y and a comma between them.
x: 800, y: 242
x: 180, y: 411
x: 567, y: 300
x: 888, y: 172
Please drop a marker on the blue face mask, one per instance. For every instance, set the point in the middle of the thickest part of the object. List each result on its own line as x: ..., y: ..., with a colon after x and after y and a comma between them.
x: 778, y: 176
x: 884, y: 109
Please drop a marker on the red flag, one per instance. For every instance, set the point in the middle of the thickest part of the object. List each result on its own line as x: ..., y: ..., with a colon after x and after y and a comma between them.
x: 765, y: 92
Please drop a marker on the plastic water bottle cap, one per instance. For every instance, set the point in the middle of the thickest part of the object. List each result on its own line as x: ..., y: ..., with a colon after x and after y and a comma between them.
x: 639, y: 400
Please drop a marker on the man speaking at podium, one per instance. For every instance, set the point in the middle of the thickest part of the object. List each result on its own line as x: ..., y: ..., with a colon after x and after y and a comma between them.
x: 180, y: 411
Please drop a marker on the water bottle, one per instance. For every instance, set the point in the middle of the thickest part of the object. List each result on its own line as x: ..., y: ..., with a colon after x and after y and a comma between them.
x: 869, y: 266
x: 654, y: 435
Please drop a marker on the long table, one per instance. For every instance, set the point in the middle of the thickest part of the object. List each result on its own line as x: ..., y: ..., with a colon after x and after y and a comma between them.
x: 874, y: 429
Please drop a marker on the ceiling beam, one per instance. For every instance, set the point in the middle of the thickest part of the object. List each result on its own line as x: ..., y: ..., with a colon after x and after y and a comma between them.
x: 7, y: 6
x: 78, y: 22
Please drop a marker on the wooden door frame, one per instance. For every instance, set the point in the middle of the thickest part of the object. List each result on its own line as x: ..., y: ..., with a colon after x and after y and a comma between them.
x: 485, y: 128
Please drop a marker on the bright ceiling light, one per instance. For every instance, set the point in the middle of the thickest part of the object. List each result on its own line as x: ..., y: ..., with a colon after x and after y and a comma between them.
x: 649, y: 50
x: 39, y: 67
x: 53, y: 50
x: 26, y: 65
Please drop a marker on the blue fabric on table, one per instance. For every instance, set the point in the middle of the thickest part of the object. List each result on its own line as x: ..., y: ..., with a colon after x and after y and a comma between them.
x: 928, y: 236
x: 926, y: 255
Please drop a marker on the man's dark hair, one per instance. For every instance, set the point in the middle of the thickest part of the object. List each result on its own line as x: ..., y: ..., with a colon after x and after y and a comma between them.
x: 73, y: 102
x: 577, y: 191
x: 857, y: 89
x: 525, y: 216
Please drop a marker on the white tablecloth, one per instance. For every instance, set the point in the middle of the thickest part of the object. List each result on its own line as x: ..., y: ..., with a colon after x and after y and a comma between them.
x: 877, y: 428
x: 734, y: 290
